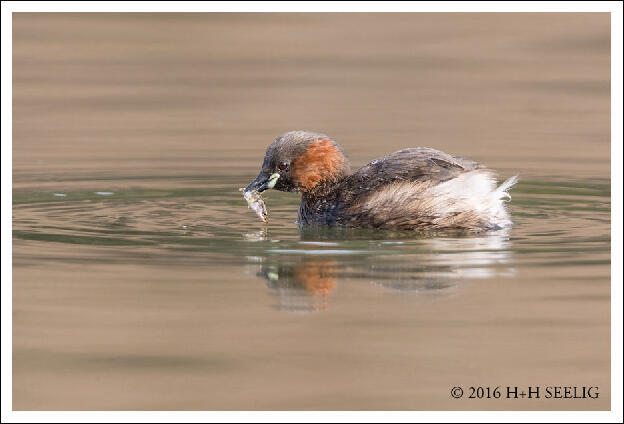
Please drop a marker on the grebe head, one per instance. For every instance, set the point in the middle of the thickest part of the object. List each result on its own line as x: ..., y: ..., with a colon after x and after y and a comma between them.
x: 300, y: 161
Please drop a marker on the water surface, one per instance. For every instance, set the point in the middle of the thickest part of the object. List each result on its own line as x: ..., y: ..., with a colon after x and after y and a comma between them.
x: 142, y: 281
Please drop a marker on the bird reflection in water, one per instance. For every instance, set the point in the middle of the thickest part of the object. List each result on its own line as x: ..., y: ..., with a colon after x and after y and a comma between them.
x: 301, y: 287
x: 303, y: 277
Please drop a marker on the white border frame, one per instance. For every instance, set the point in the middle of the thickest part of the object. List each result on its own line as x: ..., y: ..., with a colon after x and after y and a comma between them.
x: 615, y: 8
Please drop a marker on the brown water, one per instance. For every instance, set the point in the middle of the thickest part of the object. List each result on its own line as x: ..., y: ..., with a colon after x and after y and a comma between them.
x: 142, y: 281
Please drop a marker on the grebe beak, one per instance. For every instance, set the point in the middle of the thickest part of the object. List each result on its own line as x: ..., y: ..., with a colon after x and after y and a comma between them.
x: 262, y: 182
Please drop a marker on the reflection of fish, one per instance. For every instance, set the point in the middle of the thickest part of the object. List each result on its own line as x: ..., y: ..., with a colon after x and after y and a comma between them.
x: 255, y: 202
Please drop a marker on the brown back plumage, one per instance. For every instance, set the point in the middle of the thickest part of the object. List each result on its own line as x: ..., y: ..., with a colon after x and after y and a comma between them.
x: 389, y: 192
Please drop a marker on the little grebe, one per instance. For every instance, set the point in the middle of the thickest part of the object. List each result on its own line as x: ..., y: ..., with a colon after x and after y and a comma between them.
x: 412, y: 189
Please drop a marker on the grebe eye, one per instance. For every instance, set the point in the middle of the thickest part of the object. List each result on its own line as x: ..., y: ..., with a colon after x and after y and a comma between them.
x: 282, y: 166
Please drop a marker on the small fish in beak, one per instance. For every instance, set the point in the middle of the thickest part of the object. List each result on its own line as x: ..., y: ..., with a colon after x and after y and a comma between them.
x: 251, y: 193
x: 255, y: 202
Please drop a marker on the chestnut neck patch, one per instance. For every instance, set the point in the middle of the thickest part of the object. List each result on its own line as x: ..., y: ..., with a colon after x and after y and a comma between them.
x: 322, y: 162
